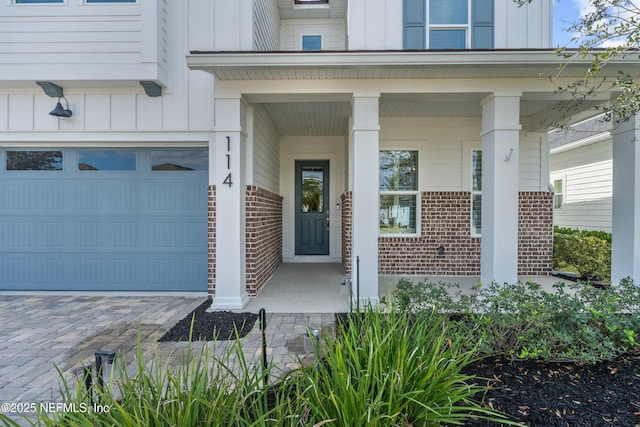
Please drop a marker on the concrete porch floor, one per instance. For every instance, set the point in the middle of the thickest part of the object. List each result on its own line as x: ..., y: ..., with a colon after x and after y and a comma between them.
x: 316, y: 288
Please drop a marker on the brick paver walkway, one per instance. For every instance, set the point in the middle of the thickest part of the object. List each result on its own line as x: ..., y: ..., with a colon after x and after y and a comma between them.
x: 38, y: 333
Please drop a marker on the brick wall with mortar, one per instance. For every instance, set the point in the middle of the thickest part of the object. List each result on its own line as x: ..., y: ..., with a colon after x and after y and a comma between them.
x: 346, y: 232
x: 535, y: 233
x: 211, y: 251
x: 264, y: 236
x: 446, y: 221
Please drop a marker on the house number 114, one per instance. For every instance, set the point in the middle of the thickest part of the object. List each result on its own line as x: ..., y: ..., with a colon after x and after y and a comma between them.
x: 227, y: 180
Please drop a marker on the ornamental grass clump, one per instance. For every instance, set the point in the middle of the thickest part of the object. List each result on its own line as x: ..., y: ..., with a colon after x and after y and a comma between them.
x: 202, y: 390
x: 392, y: 369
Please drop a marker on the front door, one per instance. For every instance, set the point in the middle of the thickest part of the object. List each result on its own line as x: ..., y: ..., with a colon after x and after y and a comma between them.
x: 312, y: 207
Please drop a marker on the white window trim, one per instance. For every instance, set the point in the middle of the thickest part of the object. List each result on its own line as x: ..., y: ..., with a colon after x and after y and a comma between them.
x: 562, y: 178
x: 466, y: 27
x: 417, y: 192
x: 302, y: 36
x: 469, y: 168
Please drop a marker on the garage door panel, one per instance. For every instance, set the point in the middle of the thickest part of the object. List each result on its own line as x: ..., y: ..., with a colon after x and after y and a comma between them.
x: 89, y: 230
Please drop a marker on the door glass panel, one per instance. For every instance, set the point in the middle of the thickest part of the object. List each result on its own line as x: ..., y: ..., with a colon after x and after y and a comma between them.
x: 312, y: 189
x: 107, y: 160
x: 34, y: 160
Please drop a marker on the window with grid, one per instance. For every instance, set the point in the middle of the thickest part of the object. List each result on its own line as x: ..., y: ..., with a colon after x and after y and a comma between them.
x: 398, y: 192
x: 476, y: 192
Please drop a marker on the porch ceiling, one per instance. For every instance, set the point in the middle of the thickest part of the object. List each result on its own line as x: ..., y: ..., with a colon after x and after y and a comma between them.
x: 308, y: 93
x: 331, y: 118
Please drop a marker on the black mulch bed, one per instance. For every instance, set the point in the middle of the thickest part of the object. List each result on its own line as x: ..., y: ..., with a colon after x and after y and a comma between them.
x: 536, y: 393
x: 216, y: 325
x: 563, y: 394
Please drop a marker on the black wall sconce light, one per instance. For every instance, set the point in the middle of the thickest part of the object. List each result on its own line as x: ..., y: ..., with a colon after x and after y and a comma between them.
x: 55, y: 91
x: 441, y: 250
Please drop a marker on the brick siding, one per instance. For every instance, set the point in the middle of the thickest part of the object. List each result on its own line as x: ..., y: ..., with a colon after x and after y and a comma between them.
x: 264, y: 236
x: 446, y: 221
x: 212, y: 240
x: 346, y: 232
x: 535, y: 233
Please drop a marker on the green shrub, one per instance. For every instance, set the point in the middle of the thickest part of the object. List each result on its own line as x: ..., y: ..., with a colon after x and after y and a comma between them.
x: 603, y: 235
x: 574, y: 322
x: 583, y: 252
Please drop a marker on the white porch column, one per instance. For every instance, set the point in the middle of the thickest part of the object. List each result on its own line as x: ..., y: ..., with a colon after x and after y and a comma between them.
x: 364, y: 170
x: 229, y: 177
x: 500, y: 184
x: 625, y: 251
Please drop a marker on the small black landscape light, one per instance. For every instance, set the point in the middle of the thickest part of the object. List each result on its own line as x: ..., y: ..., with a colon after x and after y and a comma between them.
x: 104, y: 366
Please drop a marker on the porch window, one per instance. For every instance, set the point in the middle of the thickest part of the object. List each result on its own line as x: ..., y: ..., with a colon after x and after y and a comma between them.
x: 558, y: 194
x: 476, y: 193
x: 398, y: 192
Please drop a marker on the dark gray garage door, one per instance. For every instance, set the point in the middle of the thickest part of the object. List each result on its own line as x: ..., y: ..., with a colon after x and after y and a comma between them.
x: 103, y: 219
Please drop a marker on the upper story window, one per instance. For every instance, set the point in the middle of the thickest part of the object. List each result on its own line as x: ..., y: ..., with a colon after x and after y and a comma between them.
x: 312, y: 2
x: 448, y: 24
x: 311, y: 42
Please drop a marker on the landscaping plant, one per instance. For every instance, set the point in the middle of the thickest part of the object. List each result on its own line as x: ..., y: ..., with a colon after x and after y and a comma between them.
x: 382, y: 369
x: 393, y: 369
x: 576, y: 322
x: 587, y: 253
x: 201, y: 390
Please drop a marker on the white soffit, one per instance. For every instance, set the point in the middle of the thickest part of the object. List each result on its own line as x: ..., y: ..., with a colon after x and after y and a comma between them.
x: 540, y: 64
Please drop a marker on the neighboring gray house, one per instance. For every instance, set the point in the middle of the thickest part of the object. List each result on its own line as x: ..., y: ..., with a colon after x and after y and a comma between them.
x: 582, y: 175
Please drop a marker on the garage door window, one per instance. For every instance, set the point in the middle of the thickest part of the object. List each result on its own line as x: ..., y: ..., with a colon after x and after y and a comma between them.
x: 180, y: 160
x: 107, y: 160
x: 34, y: 160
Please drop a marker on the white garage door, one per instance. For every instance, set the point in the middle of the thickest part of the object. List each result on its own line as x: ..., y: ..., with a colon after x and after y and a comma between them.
x: 103, y: 219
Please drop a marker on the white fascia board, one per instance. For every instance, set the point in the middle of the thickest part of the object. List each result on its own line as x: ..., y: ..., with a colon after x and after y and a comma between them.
x: 368, y: 59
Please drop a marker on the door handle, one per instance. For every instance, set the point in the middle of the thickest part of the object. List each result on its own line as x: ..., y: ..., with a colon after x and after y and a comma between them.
x: 328, y: 219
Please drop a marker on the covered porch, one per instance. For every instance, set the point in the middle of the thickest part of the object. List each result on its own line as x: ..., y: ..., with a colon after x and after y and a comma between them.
x: 448, y: 113
x: 318, y: 288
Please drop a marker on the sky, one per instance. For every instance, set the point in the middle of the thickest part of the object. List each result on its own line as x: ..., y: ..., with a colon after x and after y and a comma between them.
x: 564, y: 13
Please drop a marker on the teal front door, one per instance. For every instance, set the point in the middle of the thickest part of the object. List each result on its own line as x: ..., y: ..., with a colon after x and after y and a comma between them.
x: 312, y: 207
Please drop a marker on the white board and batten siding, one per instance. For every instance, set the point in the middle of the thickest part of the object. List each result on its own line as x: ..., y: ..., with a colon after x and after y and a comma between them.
x: 377, y: 24
x: 588, y: 175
